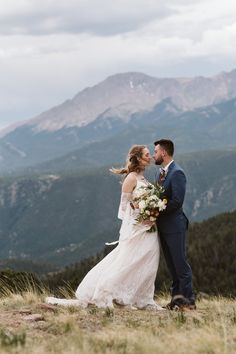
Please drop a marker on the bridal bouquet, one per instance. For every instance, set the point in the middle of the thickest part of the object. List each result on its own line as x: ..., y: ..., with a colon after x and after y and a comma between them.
x: 149, y: 201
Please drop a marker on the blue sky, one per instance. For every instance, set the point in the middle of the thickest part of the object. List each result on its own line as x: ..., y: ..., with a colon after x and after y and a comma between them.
x: 50, y: 50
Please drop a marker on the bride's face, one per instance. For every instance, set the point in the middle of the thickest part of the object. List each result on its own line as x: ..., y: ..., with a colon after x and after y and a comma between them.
x: 146, y: 157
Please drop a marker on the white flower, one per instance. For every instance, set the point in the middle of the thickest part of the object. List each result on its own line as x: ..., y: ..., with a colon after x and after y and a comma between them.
x: 152, y: 218
x: 161, y: 205
x: 152, y: 205
x: 142, y: 204
x: 141, y: 193
x: 154, y: 197
x: 147, y: 212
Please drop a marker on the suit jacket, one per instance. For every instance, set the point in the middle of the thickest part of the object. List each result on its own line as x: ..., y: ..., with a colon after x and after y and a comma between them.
x: 173, y: 219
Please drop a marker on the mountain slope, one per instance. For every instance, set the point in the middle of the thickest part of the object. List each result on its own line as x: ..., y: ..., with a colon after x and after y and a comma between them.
x: 212, y: 127
x: 64, y: 218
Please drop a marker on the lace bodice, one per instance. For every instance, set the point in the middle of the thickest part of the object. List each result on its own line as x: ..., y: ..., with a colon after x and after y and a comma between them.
x: 126, y: 198
x: 140, y: 182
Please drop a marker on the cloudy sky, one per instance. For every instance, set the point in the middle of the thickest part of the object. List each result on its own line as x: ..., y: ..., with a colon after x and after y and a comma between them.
x: 51, y: 49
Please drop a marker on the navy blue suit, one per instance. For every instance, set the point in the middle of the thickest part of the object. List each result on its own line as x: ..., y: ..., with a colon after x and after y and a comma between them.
x: 172, y: 225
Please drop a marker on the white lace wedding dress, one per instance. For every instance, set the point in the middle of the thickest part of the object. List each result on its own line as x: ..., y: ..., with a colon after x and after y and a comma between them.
x: 127, y: 274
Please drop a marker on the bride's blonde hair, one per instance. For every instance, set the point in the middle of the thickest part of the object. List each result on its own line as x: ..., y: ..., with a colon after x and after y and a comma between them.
x: 132, y: 161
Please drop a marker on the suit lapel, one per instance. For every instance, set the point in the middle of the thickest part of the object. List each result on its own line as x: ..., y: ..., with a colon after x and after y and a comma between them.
x: 172, y: 165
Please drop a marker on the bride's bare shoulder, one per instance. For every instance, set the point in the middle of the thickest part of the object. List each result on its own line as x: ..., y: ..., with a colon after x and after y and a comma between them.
x: 131, y: 177
x: 129, y: 182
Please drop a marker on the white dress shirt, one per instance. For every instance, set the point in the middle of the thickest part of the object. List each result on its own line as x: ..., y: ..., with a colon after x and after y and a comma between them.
x: 167, y: 166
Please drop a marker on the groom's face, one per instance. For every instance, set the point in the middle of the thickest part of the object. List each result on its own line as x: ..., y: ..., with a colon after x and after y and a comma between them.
x: 158, y: 155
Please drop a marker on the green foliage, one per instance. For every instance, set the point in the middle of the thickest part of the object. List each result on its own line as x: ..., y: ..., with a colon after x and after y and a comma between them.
x: 18, y: 282
x: 212, y: 249
x: 10, y: 339
x: 233, y: 317
x: 26, y: 265
x: 109, y: 312
x: 180, y: 318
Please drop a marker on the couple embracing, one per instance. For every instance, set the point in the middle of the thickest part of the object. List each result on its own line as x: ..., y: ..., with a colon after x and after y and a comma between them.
x: 126, y: 276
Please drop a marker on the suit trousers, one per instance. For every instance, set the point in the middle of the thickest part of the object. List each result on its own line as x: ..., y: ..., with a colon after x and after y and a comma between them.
x: 173, y: 246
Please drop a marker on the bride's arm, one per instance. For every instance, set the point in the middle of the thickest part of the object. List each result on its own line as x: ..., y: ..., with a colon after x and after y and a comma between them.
x: 126, y: 194
x: 129, y: 183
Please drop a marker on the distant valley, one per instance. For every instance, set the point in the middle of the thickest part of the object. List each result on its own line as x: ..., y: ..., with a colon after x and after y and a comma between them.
x: 63, y: 218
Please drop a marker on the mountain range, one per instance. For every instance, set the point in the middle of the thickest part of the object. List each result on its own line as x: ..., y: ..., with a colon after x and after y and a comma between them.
x: 127, y: 104
x: 207, y: 128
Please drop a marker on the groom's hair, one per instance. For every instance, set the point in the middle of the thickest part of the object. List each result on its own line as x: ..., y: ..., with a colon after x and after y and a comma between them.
x: 167, y: 145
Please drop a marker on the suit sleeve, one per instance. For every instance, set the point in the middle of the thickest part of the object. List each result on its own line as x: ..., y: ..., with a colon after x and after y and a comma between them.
x: 178, y: 188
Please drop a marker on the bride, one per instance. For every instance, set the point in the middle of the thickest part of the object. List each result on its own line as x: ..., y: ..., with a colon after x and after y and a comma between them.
x: 126, y: 275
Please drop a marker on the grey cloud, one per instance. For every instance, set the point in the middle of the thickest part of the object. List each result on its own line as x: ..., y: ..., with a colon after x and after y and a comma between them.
x: 80, y: 17
x: 168, y: 38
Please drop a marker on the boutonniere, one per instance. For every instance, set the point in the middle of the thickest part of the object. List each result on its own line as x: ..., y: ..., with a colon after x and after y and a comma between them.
x: 163, y: 172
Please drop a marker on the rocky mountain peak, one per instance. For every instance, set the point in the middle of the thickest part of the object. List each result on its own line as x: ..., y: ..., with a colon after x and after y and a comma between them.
x: 126, y: 93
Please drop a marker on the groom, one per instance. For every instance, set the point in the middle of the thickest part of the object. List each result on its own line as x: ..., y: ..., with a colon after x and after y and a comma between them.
x: 172, y: 225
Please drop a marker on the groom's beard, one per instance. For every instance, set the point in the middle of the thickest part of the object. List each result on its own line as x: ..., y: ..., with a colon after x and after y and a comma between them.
x: 159, y: 161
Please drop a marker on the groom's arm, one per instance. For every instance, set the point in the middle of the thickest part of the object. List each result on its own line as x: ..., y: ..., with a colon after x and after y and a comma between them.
x: 178, y: 188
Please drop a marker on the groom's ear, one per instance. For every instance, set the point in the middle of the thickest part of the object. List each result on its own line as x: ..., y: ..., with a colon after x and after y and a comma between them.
x: 164, y: 153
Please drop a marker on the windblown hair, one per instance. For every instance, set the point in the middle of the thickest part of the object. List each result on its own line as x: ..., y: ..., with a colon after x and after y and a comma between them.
x: 132, y: 161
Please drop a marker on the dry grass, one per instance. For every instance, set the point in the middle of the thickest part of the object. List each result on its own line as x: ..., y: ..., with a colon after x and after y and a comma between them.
x: 211, y: 329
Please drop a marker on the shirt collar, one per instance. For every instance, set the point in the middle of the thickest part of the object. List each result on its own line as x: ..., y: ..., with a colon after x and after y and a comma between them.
x: 167, y: 166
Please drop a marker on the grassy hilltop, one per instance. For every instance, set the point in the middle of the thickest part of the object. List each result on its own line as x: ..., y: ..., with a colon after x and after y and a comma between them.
x: 210, y: 329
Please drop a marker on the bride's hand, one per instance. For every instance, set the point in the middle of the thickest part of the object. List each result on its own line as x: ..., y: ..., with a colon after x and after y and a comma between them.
x: 148, y: 222
x: 134, y: 205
